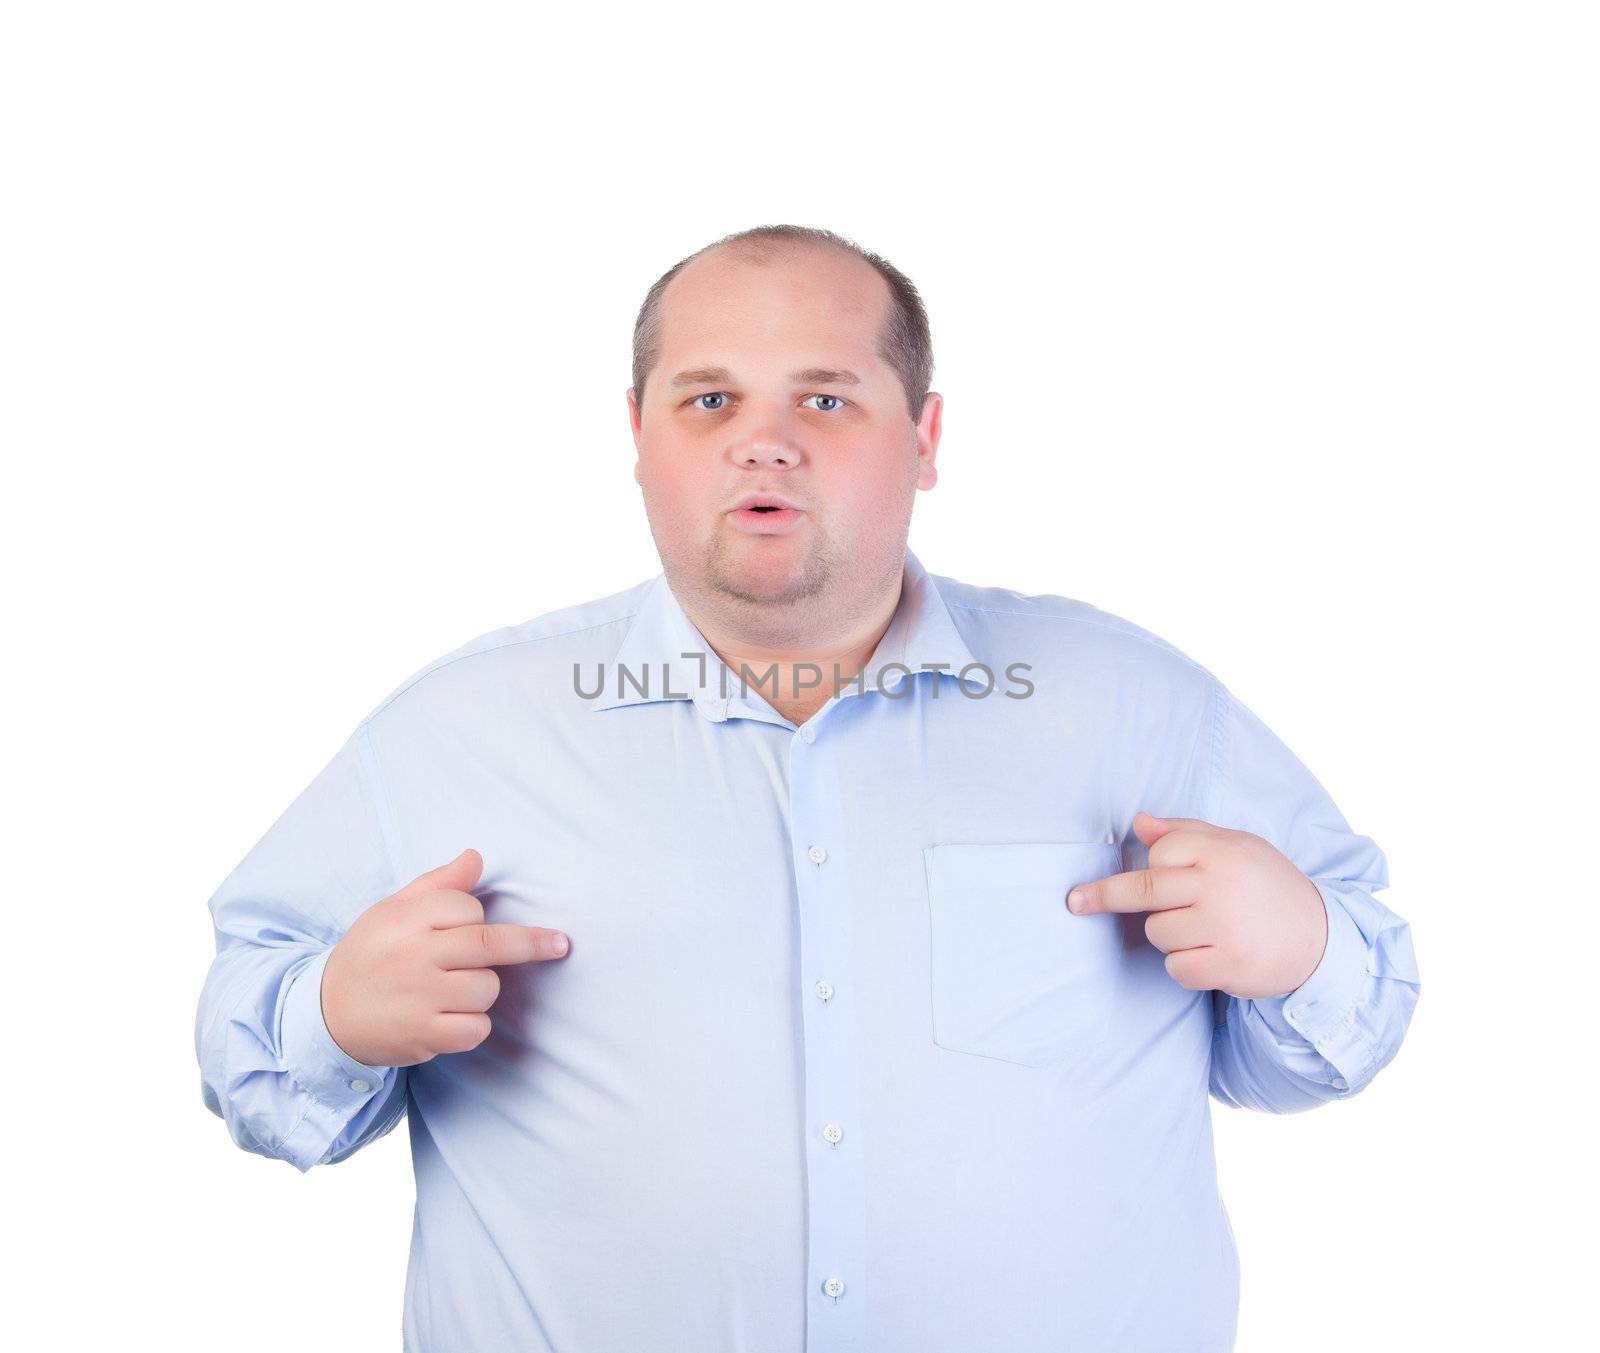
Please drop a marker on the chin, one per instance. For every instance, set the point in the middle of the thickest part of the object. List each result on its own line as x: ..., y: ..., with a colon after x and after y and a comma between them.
x: 770, y: 580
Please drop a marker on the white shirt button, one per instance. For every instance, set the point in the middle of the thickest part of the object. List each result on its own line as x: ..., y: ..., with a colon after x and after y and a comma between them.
x: 833, y: 1132
x: 1339, y: 1083
x: 824, y: 991
x: 360, y: 1087
x: 817, y: 854
x: 809, y: 734
x: 834, y: 1287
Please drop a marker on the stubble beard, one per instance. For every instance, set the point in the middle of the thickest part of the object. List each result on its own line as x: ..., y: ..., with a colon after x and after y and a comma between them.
x: 729, y: 582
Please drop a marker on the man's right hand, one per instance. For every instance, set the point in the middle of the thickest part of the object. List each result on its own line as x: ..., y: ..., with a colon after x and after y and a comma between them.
x: 416, y: 972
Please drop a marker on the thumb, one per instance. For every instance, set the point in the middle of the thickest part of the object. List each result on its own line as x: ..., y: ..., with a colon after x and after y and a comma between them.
x: 1149, y: 828
x: 459, y: 875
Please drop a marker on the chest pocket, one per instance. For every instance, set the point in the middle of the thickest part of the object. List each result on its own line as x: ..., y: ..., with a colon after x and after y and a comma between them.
x: 1015, y: 975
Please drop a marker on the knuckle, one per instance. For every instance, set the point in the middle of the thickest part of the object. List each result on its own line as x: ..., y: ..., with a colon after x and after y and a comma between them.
x: 450, y: 907
x: 1243, y: 845
x: 460, y: 1032
x: 482, y: 1026
x: 1178, y: 972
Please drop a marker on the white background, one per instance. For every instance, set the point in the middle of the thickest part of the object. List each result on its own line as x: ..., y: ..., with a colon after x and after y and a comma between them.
x: 1271, y: 328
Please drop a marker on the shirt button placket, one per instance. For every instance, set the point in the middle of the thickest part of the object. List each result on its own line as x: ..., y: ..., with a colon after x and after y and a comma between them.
x: 834, y: 1184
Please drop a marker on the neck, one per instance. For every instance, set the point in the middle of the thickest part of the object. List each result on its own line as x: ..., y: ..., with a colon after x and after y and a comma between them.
x: 796, y: 668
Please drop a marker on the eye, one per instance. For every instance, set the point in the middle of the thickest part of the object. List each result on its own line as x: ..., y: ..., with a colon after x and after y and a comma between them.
x: 837, y: 402
x: 715, y: 394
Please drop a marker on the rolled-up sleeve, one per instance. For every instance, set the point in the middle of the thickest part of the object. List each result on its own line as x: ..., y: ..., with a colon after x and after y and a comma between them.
x: 1329, y: 1037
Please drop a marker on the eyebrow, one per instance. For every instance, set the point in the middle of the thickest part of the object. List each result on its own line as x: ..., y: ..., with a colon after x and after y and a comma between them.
x: 812, y: 375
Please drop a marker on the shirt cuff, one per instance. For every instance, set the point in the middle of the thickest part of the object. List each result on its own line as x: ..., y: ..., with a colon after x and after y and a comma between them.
x: 1322, y: 1009
x: 312, y: 1058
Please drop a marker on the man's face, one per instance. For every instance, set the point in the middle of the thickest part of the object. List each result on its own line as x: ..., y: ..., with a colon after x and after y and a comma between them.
x: 751, y: 394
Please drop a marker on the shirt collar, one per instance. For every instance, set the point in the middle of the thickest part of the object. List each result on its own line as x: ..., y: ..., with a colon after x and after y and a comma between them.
x: 650, y: 664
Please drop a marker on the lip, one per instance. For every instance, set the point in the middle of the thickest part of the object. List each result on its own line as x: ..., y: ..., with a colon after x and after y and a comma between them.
x: 752, y: 499
x: 785, y: 518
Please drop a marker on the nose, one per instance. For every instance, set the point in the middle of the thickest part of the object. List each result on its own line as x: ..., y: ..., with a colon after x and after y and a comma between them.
x: 768, y: 447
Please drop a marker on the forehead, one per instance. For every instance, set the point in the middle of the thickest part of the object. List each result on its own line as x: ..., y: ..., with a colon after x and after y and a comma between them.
x: 798, y: 303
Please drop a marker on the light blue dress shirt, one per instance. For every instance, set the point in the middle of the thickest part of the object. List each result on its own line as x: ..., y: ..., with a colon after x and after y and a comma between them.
x: 830, y: 1065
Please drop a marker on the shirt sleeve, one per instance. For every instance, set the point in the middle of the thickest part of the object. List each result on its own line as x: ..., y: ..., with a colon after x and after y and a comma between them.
x: 1329, y: 1037
x: 269, y: 1067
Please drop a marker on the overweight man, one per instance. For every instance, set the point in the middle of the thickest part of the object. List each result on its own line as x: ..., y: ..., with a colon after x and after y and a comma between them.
x: 800, y: 950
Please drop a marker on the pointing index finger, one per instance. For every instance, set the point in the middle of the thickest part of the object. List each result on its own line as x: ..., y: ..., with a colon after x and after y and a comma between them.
x: 497, y: 945
x: 1156, y: 889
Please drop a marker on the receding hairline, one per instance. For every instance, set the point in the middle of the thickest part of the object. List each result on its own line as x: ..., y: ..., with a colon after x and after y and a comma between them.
x: 902, y: 340
x: 761, y: 250
x: 762, y: 253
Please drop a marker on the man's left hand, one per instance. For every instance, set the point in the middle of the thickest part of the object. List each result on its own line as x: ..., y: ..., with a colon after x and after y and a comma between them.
x: 1229, y: 910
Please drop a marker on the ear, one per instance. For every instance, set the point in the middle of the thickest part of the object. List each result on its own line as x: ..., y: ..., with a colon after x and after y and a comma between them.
x: 928, y: 430
x: 635, y: 421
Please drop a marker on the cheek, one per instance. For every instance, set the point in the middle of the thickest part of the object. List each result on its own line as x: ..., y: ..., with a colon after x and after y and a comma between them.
x: 668, y: 472
x: 861, y: 493
x: 680, y: 496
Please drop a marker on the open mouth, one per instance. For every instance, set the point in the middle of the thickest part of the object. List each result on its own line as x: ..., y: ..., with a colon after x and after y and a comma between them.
x: 766, y: 519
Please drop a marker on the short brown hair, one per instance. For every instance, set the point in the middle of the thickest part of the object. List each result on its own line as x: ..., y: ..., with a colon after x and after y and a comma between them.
x: 904, y: 344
